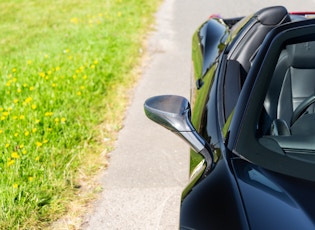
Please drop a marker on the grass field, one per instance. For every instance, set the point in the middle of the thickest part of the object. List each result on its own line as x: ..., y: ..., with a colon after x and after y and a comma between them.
x: 65, y: 66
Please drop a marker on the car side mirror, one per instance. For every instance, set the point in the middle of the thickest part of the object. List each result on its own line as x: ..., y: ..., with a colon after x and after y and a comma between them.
x: 174, y: 113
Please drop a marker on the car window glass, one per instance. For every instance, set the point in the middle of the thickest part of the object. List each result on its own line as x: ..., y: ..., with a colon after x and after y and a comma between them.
x: 287, y: 120
x: 233, y: 81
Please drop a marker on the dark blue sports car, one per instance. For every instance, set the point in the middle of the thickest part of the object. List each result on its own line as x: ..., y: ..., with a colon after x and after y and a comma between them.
x: 250, y: 123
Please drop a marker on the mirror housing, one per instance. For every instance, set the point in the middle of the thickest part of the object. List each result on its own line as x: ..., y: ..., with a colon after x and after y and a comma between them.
x: 174, y: 113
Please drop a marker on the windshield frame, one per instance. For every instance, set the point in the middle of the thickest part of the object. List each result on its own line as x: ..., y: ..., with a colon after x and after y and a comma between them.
x: 244, y: 141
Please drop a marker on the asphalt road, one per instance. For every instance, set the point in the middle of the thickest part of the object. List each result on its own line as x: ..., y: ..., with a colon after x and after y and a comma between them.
x: 149, y: 167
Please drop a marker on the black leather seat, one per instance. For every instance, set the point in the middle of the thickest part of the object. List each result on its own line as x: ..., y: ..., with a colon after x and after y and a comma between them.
x: 292, y: 89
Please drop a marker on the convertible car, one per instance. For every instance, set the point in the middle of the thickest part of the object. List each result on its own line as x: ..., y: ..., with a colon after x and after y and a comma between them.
x: 250, y: 123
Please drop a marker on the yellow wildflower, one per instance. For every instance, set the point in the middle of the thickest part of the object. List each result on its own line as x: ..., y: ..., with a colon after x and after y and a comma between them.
x: 11, y: 162
x: 15, y: 185
x: 74, y: 20
x: 29, y: 99
x: 49, y: 114
x: 38, y: 144
x: 15, y: 155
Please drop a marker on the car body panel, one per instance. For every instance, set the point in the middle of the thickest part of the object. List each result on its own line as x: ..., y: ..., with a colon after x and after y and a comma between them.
x: 203, y: 78
x: 272, y: 200
x: 202, y: 207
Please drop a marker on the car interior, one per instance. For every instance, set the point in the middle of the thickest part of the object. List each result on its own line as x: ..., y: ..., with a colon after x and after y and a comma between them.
x: 289, y: 106
x: 292, y: 89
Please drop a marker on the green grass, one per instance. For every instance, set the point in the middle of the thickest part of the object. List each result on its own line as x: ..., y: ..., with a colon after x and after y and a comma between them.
x: 65, y: 68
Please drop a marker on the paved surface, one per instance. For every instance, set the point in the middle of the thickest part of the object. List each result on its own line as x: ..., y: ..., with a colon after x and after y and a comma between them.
x: 149, y: 167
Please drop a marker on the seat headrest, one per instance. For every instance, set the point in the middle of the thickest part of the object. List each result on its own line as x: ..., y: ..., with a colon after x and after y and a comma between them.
x: 302, y: 55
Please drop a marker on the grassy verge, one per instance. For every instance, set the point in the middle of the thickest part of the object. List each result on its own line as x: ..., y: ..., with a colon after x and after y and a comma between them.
x: 65, y: 66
